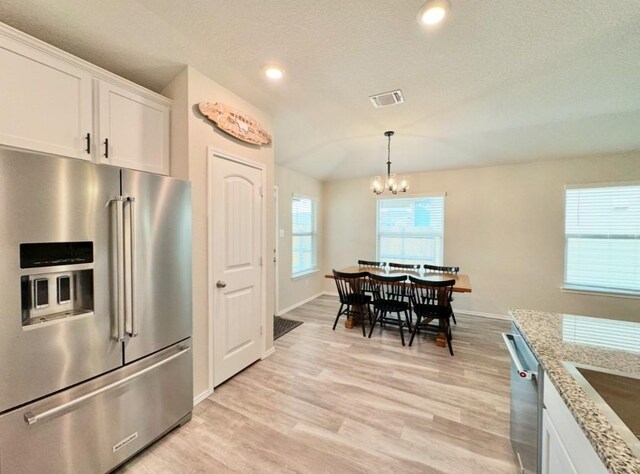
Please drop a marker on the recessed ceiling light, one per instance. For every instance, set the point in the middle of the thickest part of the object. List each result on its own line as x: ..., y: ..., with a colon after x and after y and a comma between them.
x: 433, y: 12
x: 273, y: 72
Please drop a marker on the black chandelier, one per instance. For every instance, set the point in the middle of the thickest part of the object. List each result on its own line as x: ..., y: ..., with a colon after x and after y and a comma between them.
x: 391, y: 183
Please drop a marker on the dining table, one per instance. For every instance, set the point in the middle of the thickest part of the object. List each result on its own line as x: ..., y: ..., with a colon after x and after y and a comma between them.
x: 462, y: 283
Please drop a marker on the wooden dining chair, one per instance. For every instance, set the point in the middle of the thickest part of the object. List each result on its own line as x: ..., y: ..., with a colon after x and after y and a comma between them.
x: 431, y: 301
x: 369, y: 264
x: 353, y: 301
x: 452, y: 271
x: 389, y: 298
x: 406, y: 291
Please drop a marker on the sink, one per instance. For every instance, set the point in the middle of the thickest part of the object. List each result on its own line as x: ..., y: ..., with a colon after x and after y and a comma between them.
x: 619, y: 392
x: 616, y: 395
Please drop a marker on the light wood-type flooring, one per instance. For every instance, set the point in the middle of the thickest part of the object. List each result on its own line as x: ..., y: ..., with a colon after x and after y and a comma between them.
x: 335, y: 402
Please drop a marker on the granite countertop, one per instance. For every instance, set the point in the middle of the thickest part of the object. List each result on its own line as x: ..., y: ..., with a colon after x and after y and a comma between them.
x: 608, y: 344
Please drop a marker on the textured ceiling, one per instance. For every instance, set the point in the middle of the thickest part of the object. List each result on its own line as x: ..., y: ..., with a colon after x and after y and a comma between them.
x: 499, y: 81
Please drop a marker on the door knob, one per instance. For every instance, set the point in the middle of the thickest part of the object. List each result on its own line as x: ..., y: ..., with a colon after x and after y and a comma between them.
x: 221, y: 284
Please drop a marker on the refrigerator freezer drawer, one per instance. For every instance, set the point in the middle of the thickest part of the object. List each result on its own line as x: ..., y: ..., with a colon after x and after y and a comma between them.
x: 96, y: 426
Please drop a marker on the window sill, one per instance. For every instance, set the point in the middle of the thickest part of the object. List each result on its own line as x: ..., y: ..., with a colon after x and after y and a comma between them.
x: 306, y: 274
x: 585, y: 290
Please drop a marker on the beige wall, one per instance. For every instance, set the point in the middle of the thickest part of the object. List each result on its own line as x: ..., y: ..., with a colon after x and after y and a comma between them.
x: 293, y: 291
x: 504, y: 226
x: 178, y: 91
x: 189, y: 160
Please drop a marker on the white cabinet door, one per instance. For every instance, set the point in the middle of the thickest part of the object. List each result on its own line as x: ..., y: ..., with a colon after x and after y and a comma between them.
x: 565, y: 447
x: 45, y: 103
x: 555, y: 459
x: 134, y: 131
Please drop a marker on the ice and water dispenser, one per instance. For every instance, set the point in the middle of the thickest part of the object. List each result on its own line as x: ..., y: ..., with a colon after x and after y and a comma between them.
x: 54, y: 290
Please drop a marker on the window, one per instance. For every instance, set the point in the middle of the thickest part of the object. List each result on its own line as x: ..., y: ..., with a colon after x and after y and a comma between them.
x: 602, y: 239
x: 304, y: 236
x: 411, y: 230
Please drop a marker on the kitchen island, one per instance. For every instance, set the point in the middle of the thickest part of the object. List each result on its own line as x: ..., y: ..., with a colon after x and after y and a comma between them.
x: 567, y: 344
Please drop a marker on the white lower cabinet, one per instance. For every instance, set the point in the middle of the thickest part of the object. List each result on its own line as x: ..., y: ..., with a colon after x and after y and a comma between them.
x: 565, y: 447
x: 45, y: 103
x: 134, y: 131
x: 555, y: 458
x: 53, y: 102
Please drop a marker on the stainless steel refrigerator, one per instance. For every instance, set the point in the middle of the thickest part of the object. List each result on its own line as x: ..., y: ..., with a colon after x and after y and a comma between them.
x: 95, y: 312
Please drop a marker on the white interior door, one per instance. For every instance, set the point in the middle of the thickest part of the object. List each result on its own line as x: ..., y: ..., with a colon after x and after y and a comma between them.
x: 236, y: 218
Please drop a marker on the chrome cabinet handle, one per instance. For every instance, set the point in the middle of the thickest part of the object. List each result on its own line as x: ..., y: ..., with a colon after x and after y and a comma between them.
x: 119, y: 256
x: 525, y: 374
x: 221, y: 284
x: 30, y: 418
x: 131, y: 265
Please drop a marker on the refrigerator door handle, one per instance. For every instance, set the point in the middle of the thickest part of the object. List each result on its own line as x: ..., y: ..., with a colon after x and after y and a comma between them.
x: 132, y: 319
x: 118, y: 254
x: 31, y: 418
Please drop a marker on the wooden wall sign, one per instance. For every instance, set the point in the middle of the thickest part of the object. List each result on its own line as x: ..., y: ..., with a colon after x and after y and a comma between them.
x: 235, y: 123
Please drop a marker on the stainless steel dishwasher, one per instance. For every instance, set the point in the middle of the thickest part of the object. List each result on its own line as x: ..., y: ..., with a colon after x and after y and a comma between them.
x: 526, y: 403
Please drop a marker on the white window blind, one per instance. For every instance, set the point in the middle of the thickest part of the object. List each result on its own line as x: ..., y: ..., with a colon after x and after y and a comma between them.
x: 602, y: 238
x: 411, y: 230
x: 304, y: 255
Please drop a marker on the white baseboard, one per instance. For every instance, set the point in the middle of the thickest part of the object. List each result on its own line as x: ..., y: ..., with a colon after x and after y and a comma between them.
x: 300, y: 303
x: 202, y: 396
x: 330, y: 293
x: 268, y: 353
x: 504, y: 317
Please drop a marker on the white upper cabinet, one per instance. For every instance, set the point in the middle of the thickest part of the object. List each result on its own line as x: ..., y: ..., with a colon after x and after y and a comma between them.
x: 133, y: 130
x: 45, y: 103
x: 53, y: 102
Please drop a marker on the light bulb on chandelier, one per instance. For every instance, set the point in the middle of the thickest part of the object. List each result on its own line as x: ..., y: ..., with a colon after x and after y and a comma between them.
x: 392, y: 184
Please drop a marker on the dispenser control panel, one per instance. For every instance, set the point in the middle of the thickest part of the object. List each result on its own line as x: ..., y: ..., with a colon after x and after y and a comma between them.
x: 51, y: 294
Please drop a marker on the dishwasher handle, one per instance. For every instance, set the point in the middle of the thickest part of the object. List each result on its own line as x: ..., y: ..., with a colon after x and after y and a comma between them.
x: 522, y: 372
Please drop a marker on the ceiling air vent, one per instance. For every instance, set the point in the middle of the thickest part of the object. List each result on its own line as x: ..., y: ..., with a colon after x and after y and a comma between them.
x: 386, y: 99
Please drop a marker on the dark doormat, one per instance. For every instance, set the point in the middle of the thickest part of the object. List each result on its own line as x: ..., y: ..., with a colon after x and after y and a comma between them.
x: 282, y: 326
